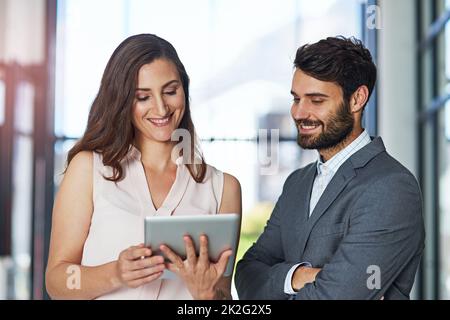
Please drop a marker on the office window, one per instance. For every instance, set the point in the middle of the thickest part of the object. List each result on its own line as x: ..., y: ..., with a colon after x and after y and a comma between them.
x: 435, y: 147
x: 25, y: 67
x: 22, y: 202
x: 444, y: 173
x: 240, y: 64
x: 444, y: 205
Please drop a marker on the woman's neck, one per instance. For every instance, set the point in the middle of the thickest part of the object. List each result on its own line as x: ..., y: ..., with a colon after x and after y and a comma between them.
x: 155, y: 155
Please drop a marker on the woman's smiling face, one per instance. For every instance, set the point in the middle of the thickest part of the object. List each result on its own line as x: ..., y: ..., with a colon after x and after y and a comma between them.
x: 159, y: 102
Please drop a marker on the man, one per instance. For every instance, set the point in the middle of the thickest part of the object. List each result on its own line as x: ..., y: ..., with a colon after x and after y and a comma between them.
x: 350, y: 225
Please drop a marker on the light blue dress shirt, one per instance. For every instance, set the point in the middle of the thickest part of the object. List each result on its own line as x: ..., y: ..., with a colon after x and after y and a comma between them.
x: 326, y: 172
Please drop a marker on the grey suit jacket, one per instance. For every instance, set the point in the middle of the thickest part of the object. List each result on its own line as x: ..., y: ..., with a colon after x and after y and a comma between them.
x: 368, y: 218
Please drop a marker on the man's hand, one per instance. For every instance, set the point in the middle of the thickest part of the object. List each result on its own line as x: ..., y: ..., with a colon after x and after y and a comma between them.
x: 302, y: 276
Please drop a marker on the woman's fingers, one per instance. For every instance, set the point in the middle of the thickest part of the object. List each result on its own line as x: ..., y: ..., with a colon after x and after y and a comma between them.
x: 145, y: 263
x: 204, y: 258
x: 191, y: 255
x: 223, y: 261
x: 172, y: 256
x: 137, y: 266
x: 142, y: 281
x: 137, y: 252
x: 171, y: 267
x: 143, y: 273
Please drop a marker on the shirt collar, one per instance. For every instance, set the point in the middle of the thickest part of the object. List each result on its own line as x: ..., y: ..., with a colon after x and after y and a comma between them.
x: 338, y: 159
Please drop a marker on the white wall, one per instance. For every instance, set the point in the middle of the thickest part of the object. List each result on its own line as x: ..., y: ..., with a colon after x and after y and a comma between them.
x: 397, y: 46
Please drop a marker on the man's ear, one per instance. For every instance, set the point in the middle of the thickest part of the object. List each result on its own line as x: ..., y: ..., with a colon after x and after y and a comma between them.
x: 359, y: 99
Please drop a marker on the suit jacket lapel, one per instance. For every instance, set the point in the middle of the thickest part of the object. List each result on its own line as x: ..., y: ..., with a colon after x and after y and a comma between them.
x: 301, y: 206
x: 340, y: 180
x: 304, y: 224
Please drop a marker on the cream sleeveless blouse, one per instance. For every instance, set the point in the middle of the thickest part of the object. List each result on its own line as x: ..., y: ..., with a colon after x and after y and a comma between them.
x: 118, y: 217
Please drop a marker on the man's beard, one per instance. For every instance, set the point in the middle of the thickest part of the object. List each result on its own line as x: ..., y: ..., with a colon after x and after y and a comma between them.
x: 337, y: 129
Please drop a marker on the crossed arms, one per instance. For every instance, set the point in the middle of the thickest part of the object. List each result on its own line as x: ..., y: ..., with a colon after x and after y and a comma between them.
x: 385, y: 230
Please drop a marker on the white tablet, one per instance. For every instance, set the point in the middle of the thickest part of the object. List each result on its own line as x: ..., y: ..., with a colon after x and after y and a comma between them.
x: 222, y: 231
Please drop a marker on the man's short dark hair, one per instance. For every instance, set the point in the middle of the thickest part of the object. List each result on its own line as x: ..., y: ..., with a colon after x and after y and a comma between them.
x: 344, y: 61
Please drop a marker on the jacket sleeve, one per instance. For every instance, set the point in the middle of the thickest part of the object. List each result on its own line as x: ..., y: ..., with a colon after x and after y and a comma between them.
x: 386, y: 233
x: 262, y: 271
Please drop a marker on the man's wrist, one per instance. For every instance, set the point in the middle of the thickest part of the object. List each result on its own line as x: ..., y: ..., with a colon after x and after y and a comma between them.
x: 302, y: 276
x: 290, y: 275
x: 297, y: 282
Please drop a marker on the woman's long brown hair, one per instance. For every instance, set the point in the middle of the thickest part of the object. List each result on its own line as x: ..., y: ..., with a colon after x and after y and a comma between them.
x: 110, y: 131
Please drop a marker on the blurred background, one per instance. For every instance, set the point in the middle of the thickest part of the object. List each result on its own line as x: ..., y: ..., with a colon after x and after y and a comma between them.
x: 239, y: 55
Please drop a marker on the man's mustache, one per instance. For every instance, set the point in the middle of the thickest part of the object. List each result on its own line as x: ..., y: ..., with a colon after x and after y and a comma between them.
x: 308, y: 123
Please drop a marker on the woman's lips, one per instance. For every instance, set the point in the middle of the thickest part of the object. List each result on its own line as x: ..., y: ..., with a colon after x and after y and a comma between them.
x: 160, y: 122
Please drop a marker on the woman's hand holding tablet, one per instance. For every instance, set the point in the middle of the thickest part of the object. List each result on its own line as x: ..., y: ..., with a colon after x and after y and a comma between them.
x: 198, y: 273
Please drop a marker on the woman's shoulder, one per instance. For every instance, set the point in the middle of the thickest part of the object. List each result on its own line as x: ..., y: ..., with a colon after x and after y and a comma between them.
x: 78, y: 175
x: 231, y: 183
x: 231, y: 196
x: 81, y: 162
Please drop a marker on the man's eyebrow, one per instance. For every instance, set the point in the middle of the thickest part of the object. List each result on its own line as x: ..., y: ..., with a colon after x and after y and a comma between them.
x: 312, y: 94
x: 316, y: 95
x: 164, y: 86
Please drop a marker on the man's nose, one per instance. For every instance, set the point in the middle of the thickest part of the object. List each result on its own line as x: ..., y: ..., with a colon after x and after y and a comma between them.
x: 300, y: 111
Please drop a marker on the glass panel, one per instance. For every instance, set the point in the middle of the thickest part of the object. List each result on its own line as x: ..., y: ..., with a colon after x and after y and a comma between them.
x: 21, y: 215
x: 22, y: 32
x: 22, y: 199
x: 447, y: 46
x: 444, y: 179
x: 79, y: 69
x: 447, y: 68
x: 447, y: 122
x: 24, y: 115
x: 6, y: 267
x: 444, y: 205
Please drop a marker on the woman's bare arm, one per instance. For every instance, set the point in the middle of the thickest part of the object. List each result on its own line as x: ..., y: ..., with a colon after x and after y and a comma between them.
x: 231, y: 203
x: 72, y: 212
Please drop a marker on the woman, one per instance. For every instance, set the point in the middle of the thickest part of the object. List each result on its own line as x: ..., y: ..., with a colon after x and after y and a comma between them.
x: 121, y: 171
